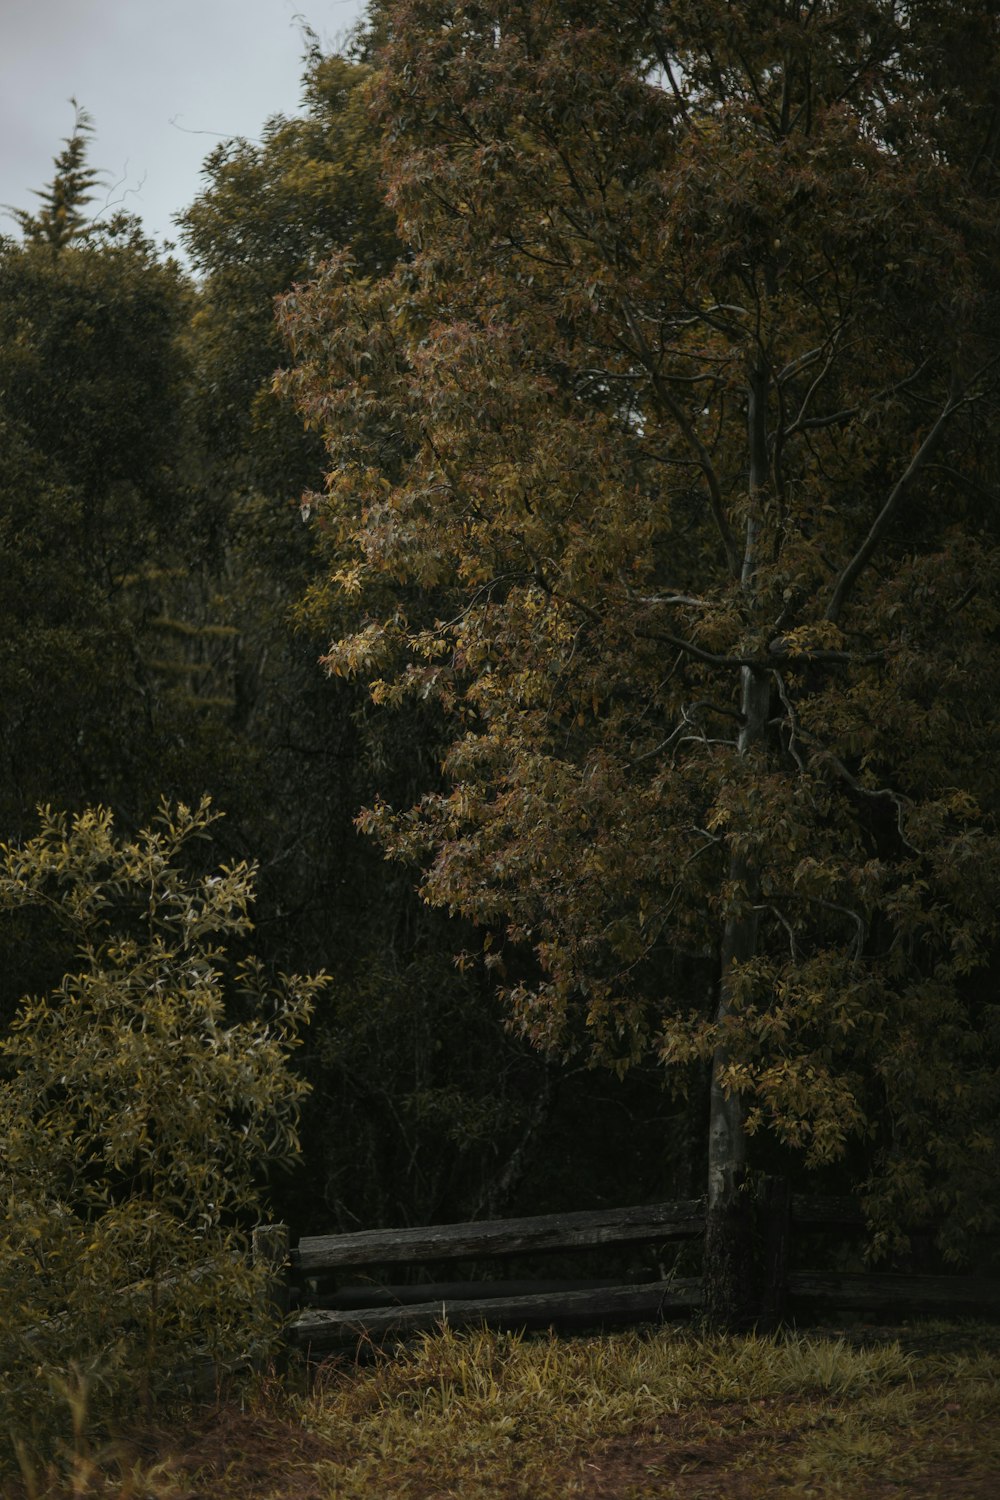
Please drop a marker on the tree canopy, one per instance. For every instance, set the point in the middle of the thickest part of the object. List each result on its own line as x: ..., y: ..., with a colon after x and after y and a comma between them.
x: 664, y: 466
x: 94, y: 512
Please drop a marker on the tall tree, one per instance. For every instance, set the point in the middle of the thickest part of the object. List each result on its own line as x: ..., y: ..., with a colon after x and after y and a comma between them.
x: 92, y: 508
x: 665, y: 467
x: 269, y: 213
x: 420, y: 1100
x: 105, y: 694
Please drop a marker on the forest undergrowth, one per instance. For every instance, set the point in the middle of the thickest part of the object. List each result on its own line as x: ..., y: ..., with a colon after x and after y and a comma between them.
x: 482, y: 1416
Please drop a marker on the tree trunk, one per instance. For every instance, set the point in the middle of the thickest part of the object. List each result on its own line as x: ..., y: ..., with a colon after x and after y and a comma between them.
x: 730, y: 1280
x: 729, y: 1259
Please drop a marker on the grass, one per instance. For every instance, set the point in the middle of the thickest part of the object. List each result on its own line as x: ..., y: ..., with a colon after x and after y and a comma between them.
x: 482, y: 1416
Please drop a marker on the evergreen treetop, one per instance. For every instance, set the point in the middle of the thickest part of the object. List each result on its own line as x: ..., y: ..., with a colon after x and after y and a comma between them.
x: 62, y: 218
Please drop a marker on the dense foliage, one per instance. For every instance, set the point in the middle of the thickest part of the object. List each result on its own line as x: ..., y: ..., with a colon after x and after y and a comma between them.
x: 420, y: 1097
x: 139, y: 1100
x: 90, y: 378
x: 664, y: 467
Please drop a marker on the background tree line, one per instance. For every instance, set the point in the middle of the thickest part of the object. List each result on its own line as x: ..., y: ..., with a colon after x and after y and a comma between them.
x: 164, y: 608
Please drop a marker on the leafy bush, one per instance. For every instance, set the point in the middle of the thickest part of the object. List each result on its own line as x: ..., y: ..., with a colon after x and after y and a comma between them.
x: 139, y: 1099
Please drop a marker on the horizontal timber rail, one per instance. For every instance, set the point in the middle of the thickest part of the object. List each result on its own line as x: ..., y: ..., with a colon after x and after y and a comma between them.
x: 879, y: 1291
x: 321, y: 1328
x: 620, y: 1226
x: 330, y: 1317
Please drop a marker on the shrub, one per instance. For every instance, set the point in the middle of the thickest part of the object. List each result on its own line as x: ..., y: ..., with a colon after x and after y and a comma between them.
x: 139, y: 1100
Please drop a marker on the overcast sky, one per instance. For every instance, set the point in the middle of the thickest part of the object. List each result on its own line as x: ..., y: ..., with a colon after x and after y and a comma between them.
x: 163, y: 79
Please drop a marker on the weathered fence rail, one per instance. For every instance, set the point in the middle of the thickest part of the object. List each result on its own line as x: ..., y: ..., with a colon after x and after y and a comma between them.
x: 329, y: 1316
x: 472, y: 1241
x: 318, y: 1329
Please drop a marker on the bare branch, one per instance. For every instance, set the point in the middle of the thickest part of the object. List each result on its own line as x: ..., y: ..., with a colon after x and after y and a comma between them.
x: 850, y: 574
x: 902, y: 802
x: 699, y: 654
x: 815, y: 424
x: 847, y: 911
x: 666, y: 398
x: 703, y: 739
x: 793, y: 947
x: 829, y: 349
x: 655, y: 599
x: 677, y: 736
x: 803, y: 423
x: 796, y: 366
x: 793, y: 722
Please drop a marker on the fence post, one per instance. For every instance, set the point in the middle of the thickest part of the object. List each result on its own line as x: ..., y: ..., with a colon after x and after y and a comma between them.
x: 774, y: 1213
x: 270, y: 1250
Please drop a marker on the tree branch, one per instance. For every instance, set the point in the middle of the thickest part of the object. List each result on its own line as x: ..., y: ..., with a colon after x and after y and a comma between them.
x: 853, y: 570
x: 666, y: 397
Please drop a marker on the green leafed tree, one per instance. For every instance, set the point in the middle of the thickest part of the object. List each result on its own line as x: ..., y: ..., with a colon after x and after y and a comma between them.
x: 666, y: 466
x: 142, y: 1096
x: 104, y: 693
x: 269, y: 213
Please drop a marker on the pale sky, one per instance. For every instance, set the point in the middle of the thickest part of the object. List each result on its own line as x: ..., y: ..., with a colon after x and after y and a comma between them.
x: 163, y: 79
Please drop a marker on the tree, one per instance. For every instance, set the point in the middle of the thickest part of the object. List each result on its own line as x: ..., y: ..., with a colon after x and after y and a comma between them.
x: 92, y: 515
x: 140, y: 1101
x: 421, y: 1103
x: 62, y: 219
x: 269, y: 213
x: 105, y: 693
x: 664, y: 466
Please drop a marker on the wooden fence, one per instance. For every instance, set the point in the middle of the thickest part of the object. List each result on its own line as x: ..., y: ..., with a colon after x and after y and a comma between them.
x: 325, y: 1315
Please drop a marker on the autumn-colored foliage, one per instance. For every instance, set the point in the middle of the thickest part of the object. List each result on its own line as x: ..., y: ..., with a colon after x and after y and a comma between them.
x: 665, y: 466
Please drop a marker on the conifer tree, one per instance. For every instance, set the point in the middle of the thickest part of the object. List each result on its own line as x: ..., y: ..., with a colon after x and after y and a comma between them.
x: 62, y: 219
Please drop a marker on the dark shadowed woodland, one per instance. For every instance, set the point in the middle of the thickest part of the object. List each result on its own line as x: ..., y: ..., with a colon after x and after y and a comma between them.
x: 499, y: 716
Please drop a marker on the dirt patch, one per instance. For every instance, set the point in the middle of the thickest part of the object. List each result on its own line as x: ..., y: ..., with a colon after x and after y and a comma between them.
x: 646, y: 1462
x: 743, y: 1453
x: 695, y: 1455
x: 234, y: 1452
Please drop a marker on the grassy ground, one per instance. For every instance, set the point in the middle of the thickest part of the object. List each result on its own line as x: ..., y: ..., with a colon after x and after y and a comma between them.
x: 913, y: 1413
